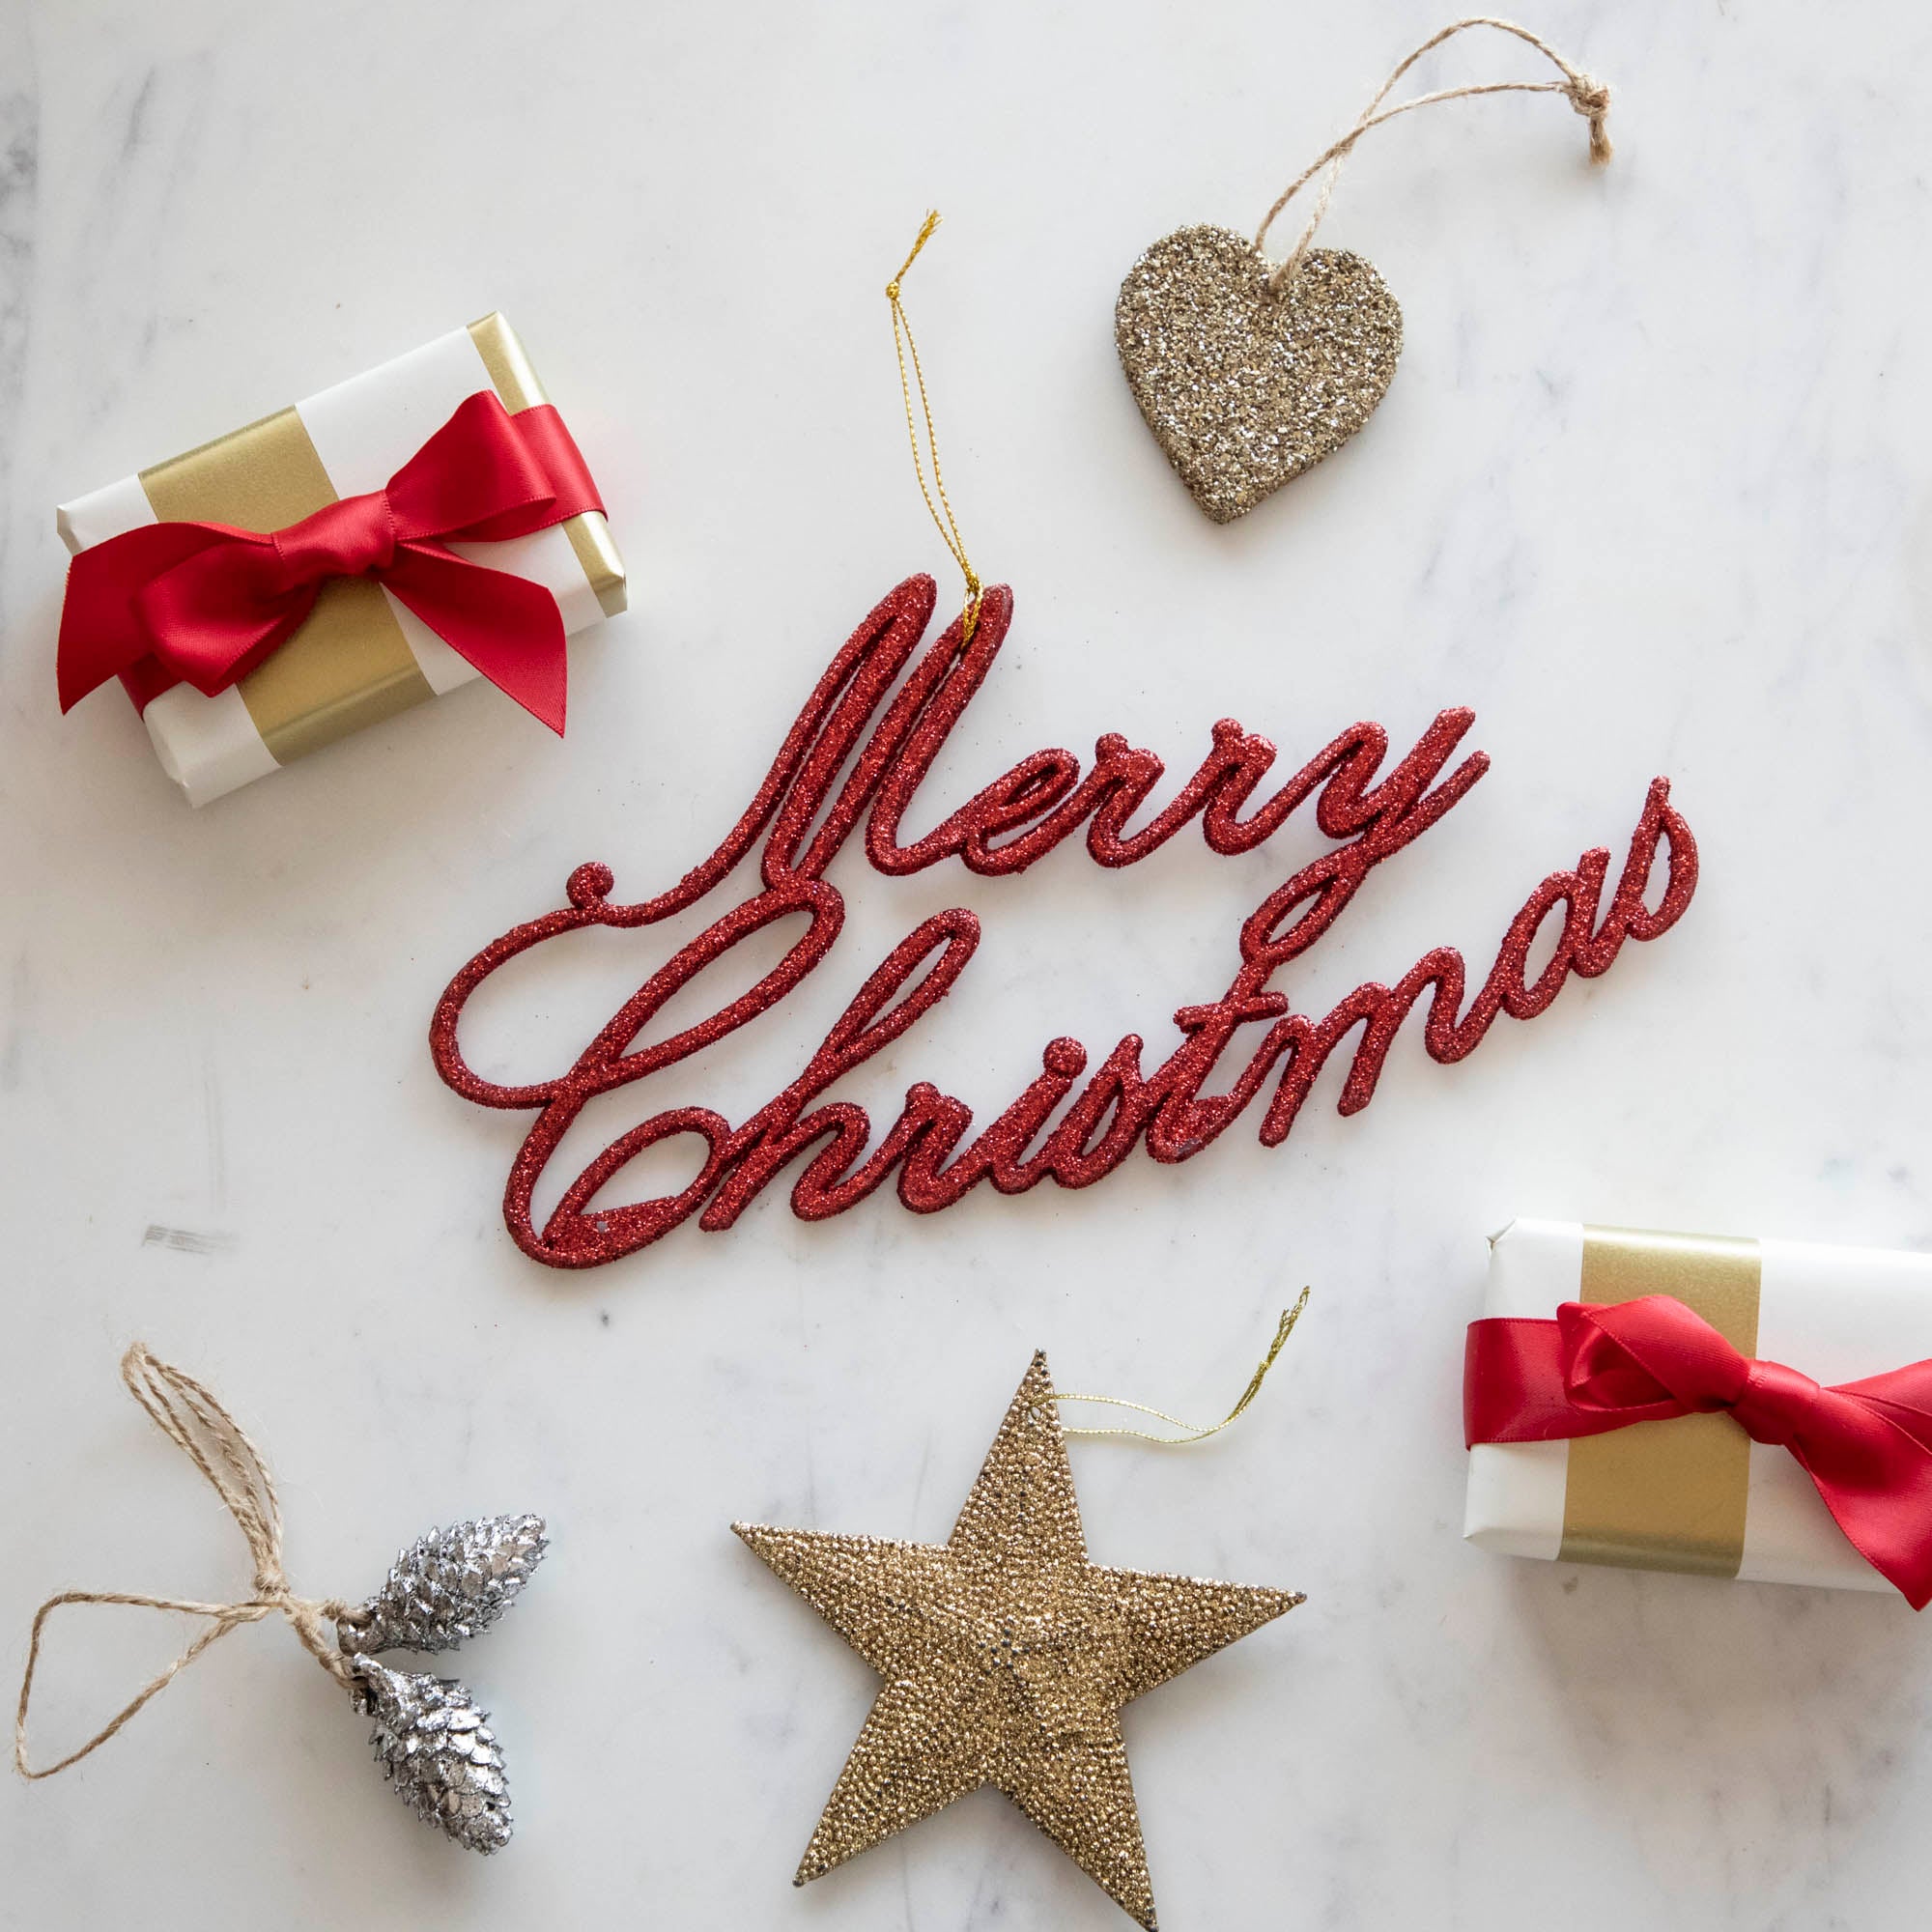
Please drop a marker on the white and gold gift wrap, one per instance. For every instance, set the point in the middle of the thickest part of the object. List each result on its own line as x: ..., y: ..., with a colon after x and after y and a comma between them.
x: 361, y: 656
x: 1695, y: 1494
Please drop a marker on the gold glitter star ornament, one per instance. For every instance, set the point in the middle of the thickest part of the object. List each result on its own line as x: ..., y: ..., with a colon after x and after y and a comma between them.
x: 1006, y: 1656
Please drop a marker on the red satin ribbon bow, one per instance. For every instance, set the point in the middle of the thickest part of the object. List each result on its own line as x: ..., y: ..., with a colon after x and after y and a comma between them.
x: 203, y: 603
x: 1867, y: 1445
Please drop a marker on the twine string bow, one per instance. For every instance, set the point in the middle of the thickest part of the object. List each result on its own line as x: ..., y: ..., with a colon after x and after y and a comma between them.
x: 1590, y: 98
x: 217, y: 1445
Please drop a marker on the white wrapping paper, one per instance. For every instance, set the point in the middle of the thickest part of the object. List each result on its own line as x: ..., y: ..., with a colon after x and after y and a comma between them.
x: 1837, y: 1314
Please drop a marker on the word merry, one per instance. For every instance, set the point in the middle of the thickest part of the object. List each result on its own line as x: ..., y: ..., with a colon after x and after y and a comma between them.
x: 1006, y: 827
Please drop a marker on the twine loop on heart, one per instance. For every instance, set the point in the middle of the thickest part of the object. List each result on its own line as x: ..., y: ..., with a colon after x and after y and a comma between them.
x: 1589, y: 97
x: 217, y: 1445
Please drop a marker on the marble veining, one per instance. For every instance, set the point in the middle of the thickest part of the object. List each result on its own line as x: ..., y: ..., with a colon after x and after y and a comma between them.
x: 1650, y: 492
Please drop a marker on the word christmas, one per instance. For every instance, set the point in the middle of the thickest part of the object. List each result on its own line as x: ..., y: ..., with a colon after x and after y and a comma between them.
x: 1018, y: 820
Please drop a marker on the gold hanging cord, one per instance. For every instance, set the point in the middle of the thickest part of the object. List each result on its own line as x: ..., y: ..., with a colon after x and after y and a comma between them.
x: 1189, y: 1432
x: 947, y: 525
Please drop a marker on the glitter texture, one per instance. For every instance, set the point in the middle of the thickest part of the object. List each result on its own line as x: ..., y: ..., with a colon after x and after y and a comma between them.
x: 448, y: 1585
x: 1006, y: 1656
x: 1245, y: 388
x: 438, y: 1753
x: 858, y: 788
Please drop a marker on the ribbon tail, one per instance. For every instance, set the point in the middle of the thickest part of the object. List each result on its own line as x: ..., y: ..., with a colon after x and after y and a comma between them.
x: 507, y: 627
x: 1873, y: 1472
x: 101, y: 632
x: 1888, y: 1529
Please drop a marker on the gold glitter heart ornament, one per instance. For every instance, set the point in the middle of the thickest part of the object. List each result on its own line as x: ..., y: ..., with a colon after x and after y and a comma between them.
x: 1246, y: 383
x: 1249, y: 373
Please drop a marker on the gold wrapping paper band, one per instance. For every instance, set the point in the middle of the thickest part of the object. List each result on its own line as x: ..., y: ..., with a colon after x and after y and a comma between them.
x: 1665, y: 1496
x: 350, y: 665
x: 515, y: 381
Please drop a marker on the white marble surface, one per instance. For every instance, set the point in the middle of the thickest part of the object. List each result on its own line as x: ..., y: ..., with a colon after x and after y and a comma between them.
x: 1650, y: 493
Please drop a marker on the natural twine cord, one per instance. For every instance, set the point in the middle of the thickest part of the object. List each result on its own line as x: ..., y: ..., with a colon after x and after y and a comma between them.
x: 1590, y: 97
x: 947, y: 528
x: 191, y: 1419
x: 1189, y: 1433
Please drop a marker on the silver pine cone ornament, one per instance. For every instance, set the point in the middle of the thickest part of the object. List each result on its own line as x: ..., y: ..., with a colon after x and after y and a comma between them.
x: 434, y: 1745
x: 439, y: 1752
x: 432, y: 1740
x: 448, y: 1585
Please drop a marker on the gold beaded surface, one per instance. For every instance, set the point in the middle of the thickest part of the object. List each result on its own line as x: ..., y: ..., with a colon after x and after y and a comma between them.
x: 1244, y: 386
x: 1006, y: 1656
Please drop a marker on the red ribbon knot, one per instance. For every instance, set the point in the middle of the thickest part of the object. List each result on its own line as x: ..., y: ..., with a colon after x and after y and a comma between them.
x: 1866, y: 1445
x: 1776, y: 1403
x: 351, y: 538
x: 204, y: 604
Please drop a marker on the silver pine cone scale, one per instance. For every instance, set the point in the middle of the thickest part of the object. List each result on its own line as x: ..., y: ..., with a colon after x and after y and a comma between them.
x: 437, y: 1749
x: 448, y: 1585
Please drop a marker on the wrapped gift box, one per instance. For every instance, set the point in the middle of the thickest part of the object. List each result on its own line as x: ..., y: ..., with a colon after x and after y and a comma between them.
x: 361, y: 655
x: 1695, y: 1493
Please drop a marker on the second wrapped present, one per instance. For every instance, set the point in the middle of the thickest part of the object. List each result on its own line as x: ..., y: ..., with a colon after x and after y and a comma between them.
x: 1758, y: 1410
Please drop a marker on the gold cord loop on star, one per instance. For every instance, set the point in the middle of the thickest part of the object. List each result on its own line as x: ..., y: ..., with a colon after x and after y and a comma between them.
x: 1189, y: 1432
